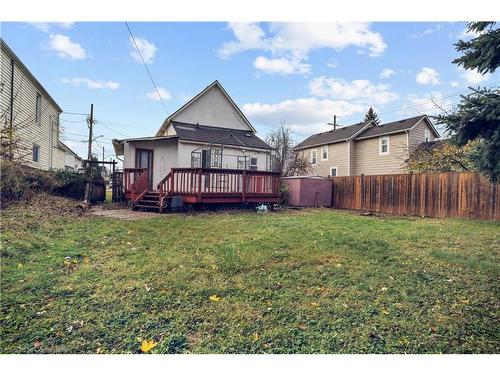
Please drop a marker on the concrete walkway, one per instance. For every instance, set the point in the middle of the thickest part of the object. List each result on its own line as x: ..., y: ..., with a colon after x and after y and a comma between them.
x: 122, y: 213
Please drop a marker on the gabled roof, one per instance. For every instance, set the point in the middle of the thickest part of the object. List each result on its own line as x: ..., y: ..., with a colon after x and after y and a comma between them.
x: 192, y: 100
x: 364, y: 130
x: 20, y: 64
x: 216, y: 135
x: 332, y: 136
x: 67, y: 149
x: 396, y: 127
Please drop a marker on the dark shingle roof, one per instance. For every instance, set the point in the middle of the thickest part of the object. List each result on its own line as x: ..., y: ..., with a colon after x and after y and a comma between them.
x: 346, y: 132
x: 331, y: 136
x: 206, y: 134
x: 391, y: 127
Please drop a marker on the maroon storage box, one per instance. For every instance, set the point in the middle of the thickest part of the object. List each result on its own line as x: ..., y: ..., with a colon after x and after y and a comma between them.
x: 308, y: 191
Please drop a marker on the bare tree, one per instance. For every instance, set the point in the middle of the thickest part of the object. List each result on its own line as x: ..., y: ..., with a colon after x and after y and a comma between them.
x: 288, y: 161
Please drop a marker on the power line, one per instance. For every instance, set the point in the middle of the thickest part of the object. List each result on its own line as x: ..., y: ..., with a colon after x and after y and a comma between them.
x: 147, y: 69
x: 107, y: 127
x: 74, y: 113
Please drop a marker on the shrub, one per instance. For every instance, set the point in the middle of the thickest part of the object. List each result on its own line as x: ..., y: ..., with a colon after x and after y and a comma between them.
x: 70, y: 184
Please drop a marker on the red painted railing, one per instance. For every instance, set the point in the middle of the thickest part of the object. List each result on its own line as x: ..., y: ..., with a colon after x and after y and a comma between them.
x: 164, y: 188
x: 135, y: 182
x: 198, y: 181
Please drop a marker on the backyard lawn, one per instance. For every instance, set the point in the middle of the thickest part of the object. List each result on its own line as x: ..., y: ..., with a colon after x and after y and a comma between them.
x: 312, y: 281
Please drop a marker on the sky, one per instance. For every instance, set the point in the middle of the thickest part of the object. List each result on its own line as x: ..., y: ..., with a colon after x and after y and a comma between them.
x: 299, y: 73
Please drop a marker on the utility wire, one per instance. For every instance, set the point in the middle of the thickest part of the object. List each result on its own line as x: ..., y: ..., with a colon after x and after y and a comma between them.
x: 107, y: 127
x: 147, y: 69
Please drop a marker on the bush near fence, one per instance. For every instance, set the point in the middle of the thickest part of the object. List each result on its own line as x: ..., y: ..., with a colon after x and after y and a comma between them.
x: 456, y: 195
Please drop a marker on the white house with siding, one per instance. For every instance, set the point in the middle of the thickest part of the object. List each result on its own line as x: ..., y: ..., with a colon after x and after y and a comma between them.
x: 32, y: 114
x: 366, y: 148
x: 209, y: 131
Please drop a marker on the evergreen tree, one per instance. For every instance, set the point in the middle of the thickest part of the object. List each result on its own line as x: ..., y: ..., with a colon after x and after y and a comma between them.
x: 477, y: 116
x: 371, y: 115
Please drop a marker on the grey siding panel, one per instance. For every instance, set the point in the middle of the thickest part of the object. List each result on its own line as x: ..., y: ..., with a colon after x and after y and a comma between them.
x: 46, y: 135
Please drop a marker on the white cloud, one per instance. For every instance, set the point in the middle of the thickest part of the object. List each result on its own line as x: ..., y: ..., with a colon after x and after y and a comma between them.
x: 47, y: 26
x: 65, y: 47
x: 147, y: 49
x: 428, y: 76
x: 294, y: 41
x: 300, y: 38
x: 360, y: 90
x: 424, y: 104
x: 386, y: 73
x: 428, y: 31
x: 454, y: 84
x: 153, y: 95
x: 305, y: 115
x: 281, y: 66
x: 91, y: 84
x: 473, y: 77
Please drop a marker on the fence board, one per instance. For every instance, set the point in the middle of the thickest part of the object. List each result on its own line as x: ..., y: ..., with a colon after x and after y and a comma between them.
x: 457, y: 195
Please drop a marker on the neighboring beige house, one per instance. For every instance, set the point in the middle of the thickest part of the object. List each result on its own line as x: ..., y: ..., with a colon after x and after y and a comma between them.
x: 32, y: 114
x: 209, y: 131
x: 72, y: 162
x: 366, y: 148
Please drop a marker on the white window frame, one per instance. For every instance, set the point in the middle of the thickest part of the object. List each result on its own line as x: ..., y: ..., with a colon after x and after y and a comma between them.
x: 37, y: 147
x: 380, y: 140
x: 253, y: 167
x: 427, y: 135
x: 315, y: 152
x: 336, y: 171
x: 323, y: 152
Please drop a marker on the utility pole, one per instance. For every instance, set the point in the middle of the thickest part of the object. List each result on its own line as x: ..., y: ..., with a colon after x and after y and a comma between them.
x: 88, y: 187
x: 334, y: 123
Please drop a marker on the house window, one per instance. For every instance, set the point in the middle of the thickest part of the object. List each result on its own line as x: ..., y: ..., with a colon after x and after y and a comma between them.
x: 324, y: 152
x: 427, y: 136
x: 216, y: 158
x: 38, y: 109
x: 241, y: 162
x: 333, y: 171
x: 36, y: 153
x: 383, y: 145
x: 253, y: 164
x: 313, y: 157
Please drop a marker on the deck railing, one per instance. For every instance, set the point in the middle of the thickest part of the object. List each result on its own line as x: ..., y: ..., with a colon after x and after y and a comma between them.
x: 135, y: 182
x: 199, y: 181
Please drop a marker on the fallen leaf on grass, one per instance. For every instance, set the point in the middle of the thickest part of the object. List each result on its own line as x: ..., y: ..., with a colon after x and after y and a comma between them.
x: 338, y: 265
x: 383, y: 289
x: 214, y: 298
x: 214, y: 266
x: 37, y: 344
x: 147, y: 345
x: 147, y: 287
x: 255, y: 337
x: 19, y: 265
x: 314, y: 304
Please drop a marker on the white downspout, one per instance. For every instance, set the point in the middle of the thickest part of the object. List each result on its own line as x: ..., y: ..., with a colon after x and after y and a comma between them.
x: 348, y: 158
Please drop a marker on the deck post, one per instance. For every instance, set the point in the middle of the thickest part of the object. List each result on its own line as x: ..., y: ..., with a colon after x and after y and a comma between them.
x: 244, y: 187
x: 199, y: 183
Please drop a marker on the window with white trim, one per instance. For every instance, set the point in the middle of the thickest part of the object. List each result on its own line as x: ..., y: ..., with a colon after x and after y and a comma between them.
x: 334, y: 171
x: 427, y: 135
x: 314, y: 156
x: 36, y: 153
x: 383, y: 145
x: 324, y: 152
x: 253, y: 164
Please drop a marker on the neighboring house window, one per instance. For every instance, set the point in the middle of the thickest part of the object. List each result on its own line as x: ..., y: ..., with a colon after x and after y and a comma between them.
x: 427, y: 136
x: 333, y: 171
x: 324, y: 152
x: 38, y: 109
x: 313, y: 157
x: 383, y: 145
x: 253, y: 164
x: 36, y: 153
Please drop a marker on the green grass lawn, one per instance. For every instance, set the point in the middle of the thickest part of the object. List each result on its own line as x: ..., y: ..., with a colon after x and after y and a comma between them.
x: 314, y: 281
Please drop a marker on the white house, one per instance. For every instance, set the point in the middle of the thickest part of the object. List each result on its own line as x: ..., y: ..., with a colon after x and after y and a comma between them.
x: 29, y: 116
x: 209, y: 131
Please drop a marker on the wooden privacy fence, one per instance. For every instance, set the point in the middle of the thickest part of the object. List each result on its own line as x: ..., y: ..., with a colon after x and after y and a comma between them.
x: 458, y: 195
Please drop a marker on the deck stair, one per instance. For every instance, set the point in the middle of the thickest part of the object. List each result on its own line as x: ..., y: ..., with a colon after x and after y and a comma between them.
x: 149, y: 201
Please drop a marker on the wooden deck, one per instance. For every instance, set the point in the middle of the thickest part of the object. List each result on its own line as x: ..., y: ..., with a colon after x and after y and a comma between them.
x: 202, y: 186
